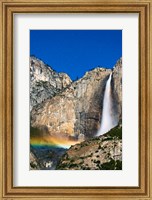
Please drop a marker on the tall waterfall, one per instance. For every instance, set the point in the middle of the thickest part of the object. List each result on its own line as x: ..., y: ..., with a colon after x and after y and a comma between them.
x: 107, y: 121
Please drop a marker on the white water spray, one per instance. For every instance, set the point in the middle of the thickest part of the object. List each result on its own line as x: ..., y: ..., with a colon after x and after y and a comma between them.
x: 107, y: 121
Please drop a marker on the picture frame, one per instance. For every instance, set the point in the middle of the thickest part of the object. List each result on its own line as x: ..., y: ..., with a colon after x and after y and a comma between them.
x: 8, y: 9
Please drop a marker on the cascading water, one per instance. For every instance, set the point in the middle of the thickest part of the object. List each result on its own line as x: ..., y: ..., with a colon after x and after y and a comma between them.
x: 107, y: 121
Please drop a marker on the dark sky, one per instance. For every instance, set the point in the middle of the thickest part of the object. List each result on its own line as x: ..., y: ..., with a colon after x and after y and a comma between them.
x: 76, y: 51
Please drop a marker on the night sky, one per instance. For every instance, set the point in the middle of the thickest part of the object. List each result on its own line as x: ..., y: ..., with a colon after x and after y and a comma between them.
x: 76, y: 51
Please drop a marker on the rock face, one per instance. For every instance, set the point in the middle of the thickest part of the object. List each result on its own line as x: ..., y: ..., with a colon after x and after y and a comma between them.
x: 117, y: 89
x: 88, y: 94
x: 44, y: 82
x: 56, y: 114
x: 71, y: 109
x: 100, y: 153
x: 75, y: 110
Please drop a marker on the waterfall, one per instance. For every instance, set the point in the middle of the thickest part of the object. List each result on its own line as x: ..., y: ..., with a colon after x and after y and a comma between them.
x: 107, y: 121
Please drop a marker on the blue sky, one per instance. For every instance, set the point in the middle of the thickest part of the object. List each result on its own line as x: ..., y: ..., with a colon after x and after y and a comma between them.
x: 76, y: 51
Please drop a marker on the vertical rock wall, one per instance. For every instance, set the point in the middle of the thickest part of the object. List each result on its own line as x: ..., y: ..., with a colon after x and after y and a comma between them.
x: 75, y: 108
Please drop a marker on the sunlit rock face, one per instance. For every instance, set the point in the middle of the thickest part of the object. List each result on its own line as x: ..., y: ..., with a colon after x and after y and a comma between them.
x: 57, y: 114
x: 72, y: 109
x: 76, y: 110
x: 45, y: 82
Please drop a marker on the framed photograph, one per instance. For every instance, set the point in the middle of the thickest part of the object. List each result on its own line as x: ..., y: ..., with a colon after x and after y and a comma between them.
x: 75, y: 99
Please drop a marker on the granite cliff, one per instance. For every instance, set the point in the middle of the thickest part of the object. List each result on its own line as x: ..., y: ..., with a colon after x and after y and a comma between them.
x: 71, y: 109
x: 45, y: 82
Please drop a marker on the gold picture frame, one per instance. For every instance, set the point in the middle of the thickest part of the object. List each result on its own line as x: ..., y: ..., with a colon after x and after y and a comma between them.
x: 144, y: 9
